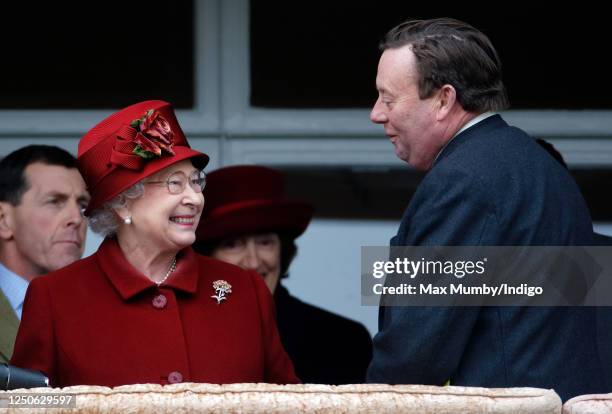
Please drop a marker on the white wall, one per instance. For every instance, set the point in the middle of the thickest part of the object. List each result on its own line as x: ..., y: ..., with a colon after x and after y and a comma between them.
x: 603, y: 228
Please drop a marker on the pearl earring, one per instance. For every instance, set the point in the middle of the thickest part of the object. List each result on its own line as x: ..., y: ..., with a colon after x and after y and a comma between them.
x: 127, y: 220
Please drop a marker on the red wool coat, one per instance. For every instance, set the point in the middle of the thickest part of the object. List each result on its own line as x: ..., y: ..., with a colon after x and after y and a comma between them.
x: 101, y: 322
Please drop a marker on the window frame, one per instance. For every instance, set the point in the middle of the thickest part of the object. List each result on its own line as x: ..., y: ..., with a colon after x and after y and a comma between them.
x: 223, y: 120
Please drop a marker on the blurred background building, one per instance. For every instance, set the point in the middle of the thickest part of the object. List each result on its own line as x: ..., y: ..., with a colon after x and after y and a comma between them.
x: 289, y: 85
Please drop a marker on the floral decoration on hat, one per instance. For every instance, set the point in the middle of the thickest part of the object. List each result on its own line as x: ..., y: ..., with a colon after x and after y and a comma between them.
x: 222, y: 288
x: 154, y: 135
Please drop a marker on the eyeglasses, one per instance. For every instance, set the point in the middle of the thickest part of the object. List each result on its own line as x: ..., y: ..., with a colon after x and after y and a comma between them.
x: 176, y: 182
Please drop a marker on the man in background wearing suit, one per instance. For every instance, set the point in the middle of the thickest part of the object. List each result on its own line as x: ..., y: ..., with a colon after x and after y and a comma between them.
x: 42, y: 196
x: 439, y: 83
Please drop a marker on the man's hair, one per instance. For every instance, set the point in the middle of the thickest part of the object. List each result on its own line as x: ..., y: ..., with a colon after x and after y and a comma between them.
x: 13, y: 182
x: 452, y: 52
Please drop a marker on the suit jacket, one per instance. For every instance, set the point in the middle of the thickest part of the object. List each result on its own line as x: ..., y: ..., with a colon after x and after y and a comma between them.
x: 601, y: 240
x: 493, y: 185
x: 8, y: 329
x: 100, y: 321
x: 325, y: 348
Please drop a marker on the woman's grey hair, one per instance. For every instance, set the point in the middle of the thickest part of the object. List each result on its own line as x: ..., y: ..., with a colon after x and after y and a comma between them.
x: 103, y: 220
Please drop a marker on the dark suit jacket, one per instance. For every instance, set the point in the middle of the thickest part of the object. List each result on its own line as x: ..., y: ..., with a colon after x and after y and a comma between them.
x: 493, y: 185
x: 101, y: 322
x: 8, y: 329
x: 325, y: 348
x: 601, y: 240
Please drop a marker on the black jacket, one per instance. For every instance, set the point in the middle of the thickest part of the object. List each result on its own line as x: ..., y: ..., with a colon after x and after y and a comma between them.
x: 325, y: 348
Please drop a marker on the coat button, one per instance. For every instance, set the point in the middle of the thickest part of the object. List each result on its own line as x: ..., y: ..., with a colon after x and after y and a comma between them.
x: 160, y: 301
x: 175, y: 377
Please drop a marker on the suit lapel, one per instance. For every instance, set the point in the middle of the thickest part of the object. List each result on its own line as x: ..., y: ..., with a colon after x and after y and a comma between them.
x: 8, y: 328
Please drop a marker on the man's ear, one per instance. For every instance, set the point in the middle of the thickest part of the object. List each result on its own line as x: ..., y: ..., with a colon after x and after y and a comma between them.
x: 447, y: 97
x: 6, y: 220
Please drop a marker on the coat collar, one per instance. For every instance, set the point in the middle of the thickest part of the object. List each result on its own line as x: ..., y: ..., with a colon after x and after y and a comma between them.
x: 281, y: 294
x: 491, y: 122
x: 129, y: 281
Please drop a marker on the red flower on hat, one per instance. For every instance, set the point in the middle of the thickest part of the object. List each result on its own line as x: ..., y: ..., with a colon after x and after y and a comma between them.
x: 154, y: 135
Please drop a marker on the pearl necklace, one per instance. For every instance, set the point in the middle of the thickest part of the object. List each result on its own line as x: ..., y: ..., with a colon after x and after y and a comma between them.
x: 171, y: 269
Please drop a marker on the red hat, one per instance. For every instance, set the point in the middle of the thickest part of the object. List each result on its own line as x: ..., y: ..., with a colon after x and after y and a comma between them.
x: 130, y: 145
x: 249, y: 199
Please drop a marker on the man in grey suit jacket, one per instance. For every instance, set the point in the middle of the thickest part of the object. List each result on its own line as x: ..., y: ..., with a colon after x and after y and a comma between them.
x: 8, y: 328
x: 42, y: 196
x: 439, y: 82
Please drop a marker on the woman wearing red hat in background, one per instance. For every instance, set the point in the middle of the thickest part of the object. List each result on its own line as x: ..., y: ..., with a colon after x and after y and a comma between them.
x: 249, y: 222
x: 145, y: 308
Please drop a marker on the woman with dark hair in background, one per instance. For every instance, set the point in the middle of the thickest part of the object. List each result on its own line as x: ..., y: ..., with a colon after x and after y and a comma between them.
x: 248, y: 221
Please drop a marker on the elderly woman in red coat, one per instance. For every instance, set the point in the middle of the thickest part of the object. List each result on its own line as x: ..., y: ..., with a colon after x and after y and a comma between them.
x: 145, y: 308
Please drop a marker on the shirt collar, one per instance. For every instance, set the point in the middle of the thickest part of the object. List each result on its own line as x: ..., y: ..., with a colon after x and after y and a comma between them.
x: 14, y: 288
x: 469, y: 124
x: 129, y: 281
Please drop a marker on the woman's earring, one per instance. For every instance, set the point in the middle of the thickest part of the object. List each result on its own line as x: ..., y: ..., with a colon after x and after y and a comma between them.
x: 128, y: 220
